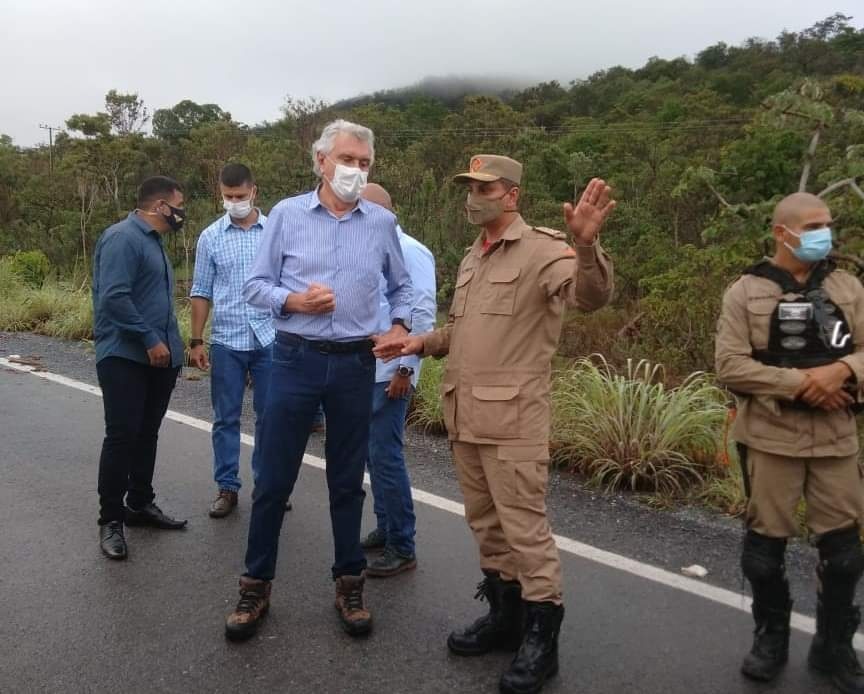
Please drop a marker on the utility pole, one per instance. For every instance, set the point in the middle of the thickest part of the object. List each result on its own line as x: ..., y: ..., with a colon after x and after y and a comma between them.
x: 50, y: 129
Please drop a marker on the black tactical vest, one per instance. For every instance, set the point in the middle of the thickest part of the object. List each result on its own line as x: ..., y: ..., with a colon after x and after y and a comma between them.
x: 809, y: 330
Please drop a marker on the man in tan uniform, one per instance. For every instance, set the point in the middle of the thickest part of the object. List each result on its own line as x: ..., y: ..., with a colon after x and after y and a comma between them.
x: 790, y: 344
x: 504, y: 324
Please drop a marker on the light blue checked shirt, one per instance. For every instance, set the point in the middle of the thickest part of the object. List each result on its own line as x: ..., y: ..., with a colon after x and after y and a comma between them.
x: 421, y: 268
x: 303, y: 242
x: 222, y: 261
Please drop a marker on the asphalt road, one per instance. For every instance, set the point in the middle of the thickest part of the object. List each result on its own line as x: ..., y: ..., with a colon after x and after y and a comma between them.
x: 75, y: 622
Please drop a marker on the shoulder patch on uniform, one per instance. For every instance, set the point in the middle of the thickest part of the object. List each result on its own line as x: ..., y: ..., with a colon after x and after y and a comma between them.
x: 554, y: 233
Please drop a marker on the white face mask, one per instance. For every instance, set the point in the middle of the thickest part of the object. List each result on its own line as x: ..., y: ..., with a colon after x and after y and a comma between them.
x: 238, y: 210
x: 348, y: 182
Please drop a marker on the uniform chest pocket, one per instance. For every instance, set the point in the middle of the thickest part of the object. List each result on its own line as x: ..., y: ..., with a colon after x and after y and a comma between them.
x: 460, y: 295
x: 499, y: 294
x: 759, y: 313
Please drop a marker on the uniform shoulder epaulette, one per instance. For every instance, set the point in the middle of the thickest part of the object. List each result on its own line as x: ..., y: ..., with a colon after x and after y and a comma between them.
x: 554, y: 233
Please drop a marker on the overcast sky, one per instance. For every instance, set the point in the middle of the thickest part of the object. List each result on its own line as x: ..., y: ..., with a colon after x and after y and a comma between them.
x: 59, y: 57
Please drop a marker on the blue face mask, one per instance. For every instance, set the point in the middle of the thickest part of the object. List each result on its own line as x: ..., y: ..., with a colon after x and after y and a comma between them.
x: 815, y: 245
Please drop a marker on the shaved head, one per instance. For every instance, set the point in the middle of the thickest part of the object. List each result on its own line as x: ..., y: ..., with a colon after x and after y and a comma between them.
x: 792, y: 210
x: 377, y: 194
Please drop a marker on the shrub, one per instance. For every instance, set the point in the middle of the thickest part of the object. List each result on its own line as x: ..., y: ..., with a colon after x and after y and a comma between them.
x: 682, y: 305
x: 32, y: 267
x: 631, y: 431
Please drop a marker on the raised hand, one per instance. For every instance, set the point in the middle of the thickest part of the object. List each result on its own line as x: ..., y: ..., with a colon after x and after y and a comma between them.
x: 585, y: 219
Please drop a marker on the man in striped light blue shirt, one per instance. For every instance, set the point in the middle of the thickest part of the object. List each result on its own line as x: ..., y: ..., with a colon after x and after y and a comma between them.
x: 241, y: 336
x: 317, y: 270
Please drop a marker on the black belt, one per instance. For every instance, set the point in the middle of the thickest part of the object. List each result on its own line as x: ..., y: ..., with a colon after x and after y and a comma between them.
x: 325, y: 346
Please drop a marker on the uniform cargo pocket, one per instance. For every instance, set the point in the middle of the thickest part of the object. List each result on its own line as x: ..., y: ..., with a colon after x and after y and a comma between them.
x: 494, y: 412
x: 500, y: 295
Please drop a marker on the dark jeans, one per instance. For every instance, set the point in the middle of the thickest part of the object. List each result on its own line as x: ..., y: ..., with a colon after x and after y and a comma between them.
x: 135, y: 397
x: 228, y: 371
x: 391, y: 487
x: 302, y: 378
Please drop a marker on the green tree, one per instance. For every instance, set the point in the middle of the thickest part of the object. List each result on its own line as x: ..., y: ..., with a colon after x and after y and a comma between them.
x: 126, y: 112
x: 177, y: 122
x: 98, y: 125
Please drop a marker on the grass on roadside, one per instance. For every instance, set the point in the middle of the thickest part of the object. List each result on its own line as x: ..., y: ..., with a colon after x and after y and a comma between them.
x: 58, y: 309
x: 426, y: 410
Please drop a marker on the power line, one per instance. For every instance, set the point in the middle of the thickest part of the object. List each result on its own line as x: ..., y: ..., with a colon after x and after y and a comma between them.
x: 612, y: 128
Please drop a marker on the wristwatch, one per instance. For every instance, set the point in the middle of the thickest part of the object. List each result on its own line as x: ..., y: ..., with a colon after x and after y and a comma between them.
x: 195, y: 342
x: 399, y: 321
x: 405, y: 371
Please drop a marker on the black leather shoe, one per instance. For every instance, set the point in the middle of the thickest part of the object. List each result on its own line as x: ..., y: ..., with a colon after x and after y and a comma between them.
x: 153, y: 516
x: 112, y: 541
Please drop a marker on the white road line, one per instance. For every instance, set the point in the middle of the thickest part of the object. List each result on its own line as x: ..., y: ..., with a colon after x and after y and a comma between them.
x: 707, y: 591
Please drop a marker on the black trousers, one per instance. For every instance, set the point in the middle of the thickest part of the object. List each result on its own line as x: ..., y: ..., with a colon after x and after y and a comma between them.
x: 135, y: 397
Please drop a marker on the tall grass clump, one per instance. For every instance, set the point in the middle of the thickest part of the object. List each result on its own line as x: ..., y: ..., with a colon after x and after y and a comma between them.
x: 31, y: 301
x: 53, y: 309
x: 426, y: 410
x: 630, y: 431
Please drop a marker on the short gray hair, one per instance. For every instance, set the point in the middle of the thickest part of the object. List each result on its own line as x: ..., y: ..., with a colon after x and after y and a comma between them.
x: 324, y: 144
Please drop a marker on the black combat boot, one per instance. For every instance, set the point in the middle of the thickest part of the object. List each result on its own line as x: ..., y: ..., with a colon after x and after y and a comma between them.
x: 501, y: 629
x: 762, y: 564
x: 841, y: 563
x: 537, y: 659
x: 832, y: 653
x: 770, y: 649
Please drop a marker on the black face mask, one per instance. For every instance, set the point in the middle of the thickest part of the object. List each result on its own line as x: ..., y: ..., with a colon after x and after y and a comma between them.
x: 176, y: 218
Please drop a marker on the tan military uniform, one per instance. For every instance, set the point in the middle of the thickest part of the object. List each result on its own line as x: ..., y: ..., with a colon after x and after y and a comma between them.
x: 792, y: 452
x: 503, y: 329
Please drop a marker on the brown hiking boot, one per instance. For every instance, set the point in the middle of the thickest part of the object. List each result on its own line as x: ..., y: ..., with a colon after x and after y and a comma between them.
x: 254, y: 602
x: 356, y: 619
x: 223, y: 504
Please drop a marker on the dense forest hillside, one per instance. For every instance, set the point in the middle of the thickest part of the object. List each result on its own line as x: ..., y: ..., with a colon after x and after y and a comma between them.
x: 697, y: 150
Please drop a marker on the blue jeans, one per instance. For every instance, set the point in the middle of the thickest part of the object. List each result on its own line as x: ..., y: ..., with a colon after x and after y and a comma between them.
x: 300, y: 380
x: 228, y: 371
x: 391, y: 487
